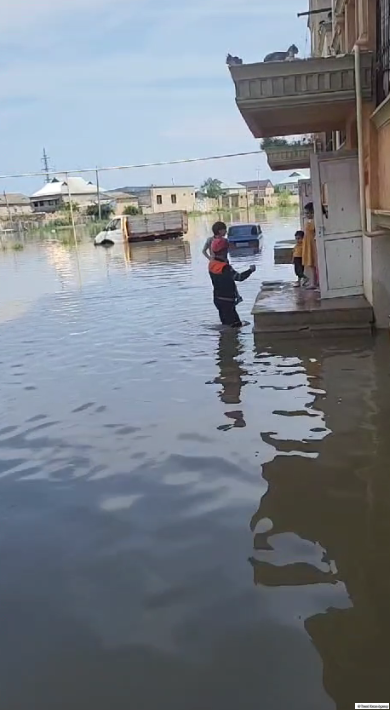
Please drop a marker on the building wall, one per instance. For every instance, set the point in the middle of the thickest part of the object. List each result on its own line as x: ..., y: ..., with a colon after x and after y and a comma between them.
x: 54, y: 203
x: 314, y: 24
x: 359, y: 25
x: 206, y: 205
x: 291, y: 187
x: 380, y: 264
x: 82, y: 200
x: 14, y: 211
x: 384, y: 168
x: 120, y: 205
x: 236, y: 200
x: 162, y: 199
x: 51, y: 204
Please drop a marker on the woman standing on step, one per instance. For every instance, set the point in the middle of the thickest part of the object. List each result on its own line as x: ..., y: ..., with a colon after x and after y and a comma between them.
x: 309, y: 251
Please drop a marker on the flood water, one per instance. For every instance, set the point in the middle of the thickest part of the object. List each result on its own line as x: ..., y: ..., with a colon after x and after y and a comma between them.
x: 188, y: 519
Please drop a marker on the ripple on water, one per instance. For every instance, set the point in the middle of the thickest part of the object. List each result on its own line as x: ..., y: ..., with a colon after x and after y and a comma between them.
x: 179, y: 503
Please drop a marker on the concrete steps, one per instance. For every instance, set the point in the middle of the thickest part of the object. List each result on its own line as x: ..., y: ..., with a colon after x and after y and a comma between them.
x: 282, y: 309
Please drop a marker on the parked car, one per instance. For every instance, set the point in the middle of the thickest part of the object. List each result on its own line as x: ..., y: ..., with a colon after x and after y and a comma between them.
x: 245, y: 235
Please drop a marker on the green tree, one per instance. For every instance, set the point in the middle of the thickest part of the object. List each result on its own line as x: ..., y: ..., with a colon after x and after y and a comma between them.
x: 106, y: 210
x: 132, y: 210
x: 212, y: 188
x: 273, y: 143
x: 284, y: 198
x: 65, y: 207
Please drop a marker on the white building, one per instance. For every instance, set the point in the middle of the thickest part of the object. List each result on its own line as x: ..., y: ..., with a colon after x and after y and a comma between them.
x: 235, y: 196
x: 52, y: 196
x: 290, y: 184
x: 163, y: 198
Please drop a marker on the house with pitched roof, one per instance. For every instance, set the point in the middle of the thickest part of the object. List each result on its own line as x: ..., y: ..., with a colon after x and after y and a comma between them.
x: 54, y: 194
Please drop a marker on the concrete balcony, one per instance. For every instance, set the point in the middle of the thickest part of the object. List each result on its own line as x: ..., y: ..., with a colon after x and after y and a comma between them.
x: 304, y: 96
x: 289, y: 157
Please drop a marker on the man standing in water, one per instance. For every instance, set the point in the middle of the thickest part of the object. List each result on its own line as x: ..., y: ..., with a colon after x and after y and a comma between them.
x: 223, y: 278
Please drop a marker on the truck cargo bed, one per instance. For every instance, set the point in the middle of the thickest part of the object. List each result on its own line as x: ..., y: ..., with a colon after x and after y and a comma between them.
x: 157, y: 226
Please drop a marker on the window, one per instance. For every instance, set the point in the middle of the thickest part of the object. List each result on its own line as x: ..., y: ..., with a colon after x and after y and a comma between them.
x: 114, y: 225
x: 159, y: 199
x: 173, y: 199
x: 383, y: 50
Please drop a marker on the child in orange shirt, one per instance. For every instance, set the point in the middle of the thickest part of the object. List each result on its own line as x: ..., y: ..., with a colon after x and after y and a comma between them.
x: 297, y: 258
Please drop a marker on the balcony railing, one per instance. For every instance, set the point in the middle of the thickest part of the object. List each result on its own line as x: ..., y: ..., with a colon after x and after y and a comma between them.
x: 304, y: 96
x: 289, y: 157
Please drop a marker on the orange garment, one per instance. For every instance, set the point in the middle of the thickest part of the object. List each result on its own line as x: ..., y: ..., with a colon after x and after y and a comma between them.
x: 297, y: 253
x: 309, y: 252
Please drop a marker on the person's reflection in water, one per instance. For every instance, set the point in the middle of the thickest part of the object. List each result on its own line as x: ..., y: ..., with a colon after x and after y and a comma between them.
x: 231, y: 377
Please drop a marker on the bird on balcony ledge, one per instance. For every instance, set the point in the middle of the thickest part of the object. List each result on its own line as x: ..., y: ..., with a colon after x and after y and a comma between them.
x: 233, y: 61
x: 288, y: 56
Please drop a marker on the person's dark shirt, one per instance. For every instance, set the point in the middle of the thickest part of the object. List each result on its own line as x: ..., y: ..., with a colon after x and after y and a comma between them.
x: 223, y: 278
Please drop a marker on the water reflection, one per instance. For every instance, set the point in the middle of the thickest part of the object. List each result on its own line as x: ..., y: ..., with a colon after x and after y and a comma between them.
x: 231, y: 376
x: 168, y: 252
x: 228, y: 540
x: 329, y: 505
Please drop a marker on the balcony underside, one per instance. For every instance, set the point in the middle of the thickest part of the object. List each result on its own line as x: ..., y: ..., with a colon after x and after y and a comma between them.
x: 289, y: 158
x: 287, y: 120
x: 307, y: 96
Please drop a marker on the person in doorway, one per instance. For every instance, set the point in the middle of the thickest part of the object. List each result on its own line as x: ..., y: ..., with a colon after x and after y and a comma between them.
x: 309, y: 252
x: 297, y: 258
x: 223, y: 278
x: 219, y: 230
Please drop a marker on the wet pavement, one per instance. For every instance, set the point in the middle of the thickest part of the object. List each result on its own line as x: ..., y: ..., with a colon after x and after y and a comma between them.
x: 189, y: 518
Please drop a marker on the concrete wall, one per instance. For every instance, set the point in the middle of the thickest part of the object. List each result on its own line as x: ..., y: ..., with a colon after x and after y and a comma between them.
x: 14, y: 211
x: 384, y: 167
x: 185, y: 198
x: 121, y: 205
x: 380, y: 259
x: 236, y: 200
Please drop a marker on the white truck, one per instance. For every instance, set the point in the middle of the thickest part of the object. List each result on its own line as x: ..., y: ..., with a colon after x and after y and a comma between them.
x: 141, y: 228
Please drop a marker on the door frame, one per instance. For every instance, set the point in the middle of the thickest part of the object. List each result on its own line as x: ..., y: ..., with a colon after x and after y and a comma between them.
x: 319, y: 217
x: 303, y: 182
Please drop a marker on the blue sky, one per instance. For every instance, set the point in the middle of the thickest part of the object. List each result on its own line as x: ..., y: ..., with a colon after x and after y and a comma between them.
x: 107, y: 82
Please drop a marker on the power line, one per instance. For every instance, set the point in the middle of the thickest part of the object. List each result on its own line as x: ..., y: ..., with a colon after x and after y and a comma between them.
x: 132, y: 167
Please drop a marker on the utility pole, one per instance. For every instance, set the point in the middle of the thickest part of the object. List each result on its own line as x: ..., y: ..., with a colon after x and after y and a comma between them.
x: 45, y: 162
x: 8, y: 207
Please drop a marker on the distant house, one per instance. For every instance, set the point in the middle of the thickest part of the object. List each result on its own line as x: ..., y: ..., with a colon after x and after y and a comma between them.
x: 263, y: 192
x: 52, y: 196
x: 162, y: 198
x: 121, y: 200
x: 235, y: 196
x: 14, y: 204
x: 291, y: 183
